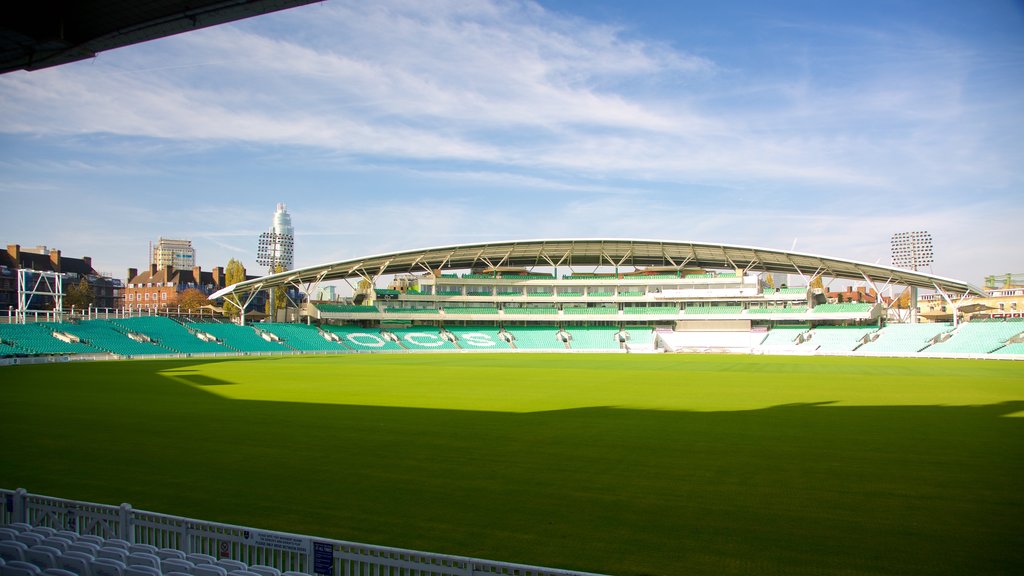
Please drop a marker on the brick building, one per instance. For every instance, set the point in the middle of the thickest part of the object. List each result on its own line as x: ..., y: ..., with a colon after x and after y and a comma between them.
x: 160, y: 286
x: 106, y: 290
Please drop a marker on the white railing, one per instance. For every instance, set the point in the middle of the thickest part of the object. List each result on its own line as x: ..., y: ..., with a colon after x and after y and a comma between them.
x: 284, y: 551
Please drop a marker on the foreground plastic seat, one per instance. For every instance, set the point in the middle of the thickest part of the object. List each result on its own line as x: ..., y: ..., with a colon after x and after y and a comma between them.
x: 92, y: 539
x: 43, y: 556
x: 57, y: 542
x: 13, y: 550
x: 139, y: 570
x: 44, y: 531
x: 7, y: 533
x: 20, y: 568
x: 176, y: 565
x: 57, y: 572
x: 264, y: 570
x: 209, y: 570
x: 77, y: 562
x: 85, y: 548
x: 119, y: 554
x: 294, y: 573
x: 20, y: 526
x: 231, y: 565
x: 143, y: 559
x: 167, y: 553
x: 198, y: 558
x: 30, y: 538
x: 147, y: 548
x: 67, y: 535
x: 242, y: 573
x: 107, y: 567
x: 116, y: 543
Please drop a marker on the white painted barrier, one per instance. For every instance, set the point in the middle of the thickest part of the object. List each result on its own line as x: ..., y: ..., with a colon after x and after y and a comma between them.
x: 284, y: 551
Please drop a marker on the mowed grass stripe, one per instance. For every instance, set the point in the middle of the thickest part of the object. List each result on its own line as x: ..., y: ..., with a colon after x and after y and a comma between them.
x: 619, y: 464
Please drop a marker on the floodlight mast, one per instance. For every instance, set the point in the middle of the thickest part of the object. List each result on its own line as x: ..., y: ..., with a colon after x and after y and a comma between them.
x: 276, y: 249
x: 913, y: 251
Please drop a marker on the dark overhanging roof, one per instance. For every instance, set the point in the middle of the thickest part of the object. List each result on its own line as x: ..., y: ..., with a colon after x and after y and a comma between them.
x: 570, y: 253
x: 37, y: 34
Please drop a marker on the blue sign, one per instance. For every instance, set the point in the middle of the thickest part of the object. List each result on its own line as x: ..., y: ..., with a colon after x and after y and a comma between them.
x: 323, y: 558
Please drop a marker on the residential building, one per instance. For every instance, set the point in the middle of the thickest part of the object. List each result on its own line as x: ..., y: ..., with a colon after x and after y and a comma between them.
x: 107, y: 291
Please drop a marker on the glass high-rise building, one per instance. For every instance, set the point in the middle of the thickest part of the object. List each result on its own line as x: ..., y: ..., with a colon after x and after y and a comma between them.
x: 177, y: 253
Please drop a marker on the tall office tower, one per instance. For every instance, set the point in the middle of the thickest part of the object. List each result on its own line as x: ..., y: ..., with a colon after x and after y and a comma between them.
x: 277, y: 247
x: 177, y: 253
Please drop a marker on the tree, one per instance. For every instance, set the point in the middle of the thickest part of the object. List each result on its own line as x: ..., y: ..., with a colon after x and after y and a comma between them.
x: 234, y: 273
x: 192, y: 299
x: 79, y: 295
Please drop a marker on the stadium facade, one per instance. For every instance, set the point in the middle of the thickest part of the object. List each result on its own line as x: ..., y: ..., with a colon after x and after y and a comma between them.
x: 599, y: 295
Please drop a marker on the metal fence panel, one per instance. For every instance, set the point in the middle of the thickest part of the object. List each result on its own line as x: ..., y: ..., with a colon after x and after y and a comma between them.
x: 284, y: 551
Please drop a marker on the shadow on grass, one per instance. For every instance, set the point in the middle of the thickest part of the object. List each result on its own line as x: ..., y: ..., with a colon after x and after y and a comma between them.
x: 808, y: 488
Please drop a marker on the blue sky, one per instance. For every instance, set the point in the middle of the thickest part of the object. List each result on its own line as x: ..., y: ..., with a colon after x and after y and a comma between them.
x: 400, y: 124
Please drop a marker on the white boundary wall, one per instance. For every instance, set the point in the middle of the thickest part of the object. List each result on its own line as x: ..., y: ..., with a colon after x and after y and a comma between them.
x: 287, y: 552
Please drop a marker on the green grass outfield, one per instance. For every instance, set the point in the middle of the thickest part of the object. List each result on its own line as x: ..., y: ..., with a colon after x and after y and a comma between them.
x: 624, y: 464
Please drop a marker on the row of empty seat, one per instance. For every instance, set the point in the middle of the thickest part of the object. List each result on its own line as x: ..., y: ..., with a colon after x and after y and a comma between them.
x: 163, y: 336
x: 27, y: 550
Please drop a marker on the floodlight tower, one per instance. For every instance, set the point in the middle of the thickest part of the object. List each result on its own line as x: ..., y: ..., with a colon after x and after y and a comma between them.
x: 913, y: 251
x: 277, y: 247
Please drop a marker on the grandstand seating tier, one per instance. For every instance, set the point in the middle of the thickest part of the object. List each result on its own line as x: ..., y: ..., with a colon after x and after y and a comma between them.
x: 303, y: 337
x: 978, y: 337
x: 593, y: 338
x: 241, y: 338
x: 170, y: 334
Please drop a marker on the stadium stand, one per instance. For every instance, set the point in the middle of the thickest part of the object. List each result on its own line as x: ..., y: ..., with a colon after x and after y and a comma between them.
x: 607, y: 310
x: 593, y: 338
x: 104, y: 336
x: 710, y: 341
x: 535, y: 310
x: 535, y: 337
x: 979, y: 337
x: 358, y: 338
x: 422, y: 338
x: 411, y: 310
x: 1015, y: 348
x: 631, y: 293
x: 904, y: 338
x: 843, y: 308
x: 347, y: 309
x: 705, y: 310
x: 836, y: 338
x: 38, y: 339
x: 241, y: 338
x: 650, y: 310
x: 782, y: 338
x: 641, y: 335
x: 170, y: 334
x: 467, y: 310
x: 479, y: 338
x: 777, y: 310
x: 302, y: 337
x: 10, y: 350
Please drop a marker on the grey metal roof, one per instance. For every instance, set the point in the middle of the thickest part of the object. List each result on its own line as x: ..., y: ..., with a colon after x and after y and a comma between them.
x: 567, y: 253
x: 42, y: 33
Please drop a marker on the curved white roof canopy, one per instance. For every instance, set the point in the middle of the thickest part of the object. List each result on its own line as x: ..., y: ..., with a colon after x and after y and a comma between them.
x: 571, y: 253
